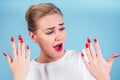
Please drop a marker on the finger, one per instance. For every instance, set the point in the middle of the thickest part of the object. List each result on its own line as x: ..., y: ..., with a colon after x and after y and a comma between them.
x: 28, y: 53
x: 111, y: 58
x: 20, y: 41
x: 88, y: 52
x: 14, y: 47
x: 84, y: 60
x: 92, y: 51
x: 97, y: 46
x: 23, y: 49
x: 8, y: 57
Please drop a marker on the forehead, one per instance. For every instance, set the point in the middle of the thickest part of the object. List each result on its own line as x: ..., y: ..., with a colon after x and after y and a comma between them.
x: 52, y: 20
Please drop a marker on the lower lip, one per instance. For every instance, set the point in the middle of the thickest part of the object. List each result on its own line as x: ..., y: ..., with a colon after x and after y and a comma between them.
x: 58, y: 50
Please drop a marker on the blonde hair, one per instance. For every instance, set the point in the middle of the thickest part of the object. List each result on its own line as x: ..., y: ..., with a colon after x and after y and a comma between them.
x: 35, y: 12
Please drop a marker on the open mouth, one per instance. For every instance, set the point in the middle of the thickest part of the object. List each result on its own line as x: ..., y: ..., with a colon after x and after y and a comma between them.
x: 58, y: 47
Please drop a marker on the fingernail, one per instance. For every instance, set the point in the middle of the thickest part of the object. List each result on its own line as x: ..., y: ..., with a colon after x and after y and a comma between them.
x: 12, y: 39
x: 95, y: 40
x: 87, y: 45
x: 19, y: 37
x: 88, y: 40
x: 117, y: 56
x: 82, y: 54
x: 21, y: 41
x: 28, y: 47
x: 4, y: 54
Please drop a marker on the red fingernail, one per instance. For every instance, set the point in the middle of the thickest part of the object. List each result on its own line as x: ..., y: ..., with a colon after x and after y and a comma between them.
x: 95, y: 40
x: 89, y: 41
x: 4, y: 54
x: 12, y: 39
x: 19, y: 37
x: 82, y: 54
x: 28, y: 47
x: 21, y: 41
x: 87, y: 45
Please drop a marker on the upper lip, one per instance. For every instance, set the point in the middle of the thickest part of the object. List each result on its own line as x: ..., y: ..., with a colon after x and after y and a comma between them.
x: 58, y: 44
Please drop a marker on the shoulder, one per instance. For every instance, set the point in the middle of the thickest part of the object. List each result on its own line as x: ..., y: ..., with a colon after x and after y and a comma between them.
x: 76, y: 56
x: 73, y: 53
x: 32, y: 66
x: 33, y: 71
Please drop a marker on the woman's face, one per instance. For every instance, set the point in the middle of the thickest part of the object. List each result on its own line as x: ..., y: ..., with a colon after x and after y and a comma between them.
x: 51, y: 36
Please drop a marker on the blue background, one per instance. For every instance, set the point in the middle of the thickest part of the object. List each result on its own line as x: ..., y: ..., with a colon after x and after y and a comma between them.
x: 83, y: 18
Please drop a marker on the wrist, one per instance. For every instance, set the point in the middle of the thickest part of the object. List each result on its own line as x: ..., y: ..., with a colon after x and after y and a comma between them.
x: 19, y: 77
x: 104, y: 78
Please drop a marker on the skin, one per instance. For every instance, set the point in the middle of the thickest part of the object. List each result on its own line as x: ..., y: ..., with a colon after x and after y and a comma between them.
x: 46, y: 39
x: 20, y: 63
x: 97, y: 65
x: 51, y: 32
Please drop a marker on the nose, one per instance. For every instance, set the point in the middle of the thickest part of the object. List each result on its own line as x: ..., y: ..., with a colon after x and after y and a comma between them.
x: 59, y: 37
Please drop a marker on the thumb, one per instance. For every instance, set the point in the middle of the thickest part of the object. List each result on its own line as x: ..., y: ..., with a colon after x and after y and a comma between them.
x: 111, y: 58
x: 8, y: 57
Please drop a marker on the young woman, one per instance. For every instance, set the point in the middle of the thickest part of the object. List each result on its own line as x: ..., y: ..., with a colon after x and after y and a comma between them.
x: 46, y: 28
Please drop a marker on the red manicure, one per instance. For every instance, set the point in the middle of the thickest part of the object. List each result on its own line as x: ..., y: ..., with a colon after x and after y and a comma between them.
x: 4, y: 54
x: 82, y: 54
x: 21, y: 41
x: 19, y: 37
x: 12, y: 39
x: 87, y: 45
x: 28, y: 47
x: 89, y: 41
x: 95, y: 40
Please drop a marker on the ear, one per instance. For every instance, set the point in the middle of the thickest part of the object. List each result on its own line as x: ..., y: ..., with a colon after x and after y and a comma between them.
x: 32, y: 36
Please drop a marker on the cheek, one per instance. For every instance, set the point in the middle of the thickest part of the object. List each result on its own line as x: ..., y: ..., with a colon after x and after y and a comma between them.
x: 45, y: 44
x: 64, y: 36
x: 47, y: 40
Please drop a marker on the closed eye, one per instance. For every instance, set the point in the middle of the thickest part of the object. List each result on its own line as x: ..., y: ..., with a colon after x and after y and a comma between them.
x: 62, y: 29
x: 50, y: 32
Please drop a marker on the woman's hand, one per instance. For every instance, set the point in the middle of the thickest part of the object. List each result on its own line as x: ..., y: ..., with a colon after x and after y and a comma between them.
x: 96, y: 64
x: 20, y: 63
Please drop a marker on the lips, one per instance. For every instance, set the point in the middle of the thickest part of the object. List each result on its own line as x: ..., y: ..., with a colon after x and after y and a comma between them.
x: 58, y: 47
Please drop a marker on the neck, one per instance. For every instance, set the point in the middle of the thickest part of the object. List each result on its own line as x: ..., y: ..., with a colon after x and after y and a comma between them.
x: 44, y: 58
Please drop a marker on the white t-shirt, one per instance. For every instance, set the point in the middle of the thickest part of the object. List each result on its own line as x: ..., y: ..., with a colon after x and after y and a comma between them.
x: 69, y: 67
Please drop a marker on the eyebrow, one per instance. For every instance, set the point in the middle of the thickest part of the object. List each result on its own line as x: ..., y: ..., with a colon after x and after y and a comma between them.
x: 50, y: 28
x: 61, y: 24
x: 54, y: 26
